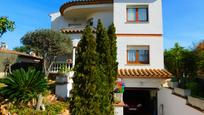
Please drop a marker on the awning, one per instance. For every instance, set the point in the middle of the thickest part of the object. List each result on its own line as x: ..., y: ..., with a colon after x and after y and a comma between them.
x: 143, y: 73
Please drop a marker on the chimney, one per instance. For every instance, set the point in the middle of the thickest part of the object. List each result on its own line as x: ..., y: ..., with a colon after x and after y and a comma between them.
x: 3, y: 45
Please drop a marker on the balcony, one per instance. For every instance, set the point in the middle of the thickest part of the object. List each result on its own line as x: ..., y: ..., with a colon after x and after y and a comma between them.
x: 57, y: 66
x: 82, y: 9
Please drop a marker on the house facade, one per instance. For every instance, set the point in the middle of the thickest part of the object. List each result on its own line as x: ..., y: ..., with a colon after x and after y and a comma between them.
x: 139, y: 45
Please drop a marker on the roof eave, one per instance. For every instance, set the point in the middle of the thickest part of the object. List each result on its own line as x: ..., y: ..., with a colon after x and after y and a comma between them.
x: 83, y: 2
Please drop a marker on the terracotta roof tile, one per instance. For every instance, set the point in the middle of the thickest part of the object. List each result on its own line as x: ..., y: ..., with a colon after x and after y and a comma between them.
x: 18, y: 53
x: 75, y: 29
x: 83, y: 2
x: 143, y: 73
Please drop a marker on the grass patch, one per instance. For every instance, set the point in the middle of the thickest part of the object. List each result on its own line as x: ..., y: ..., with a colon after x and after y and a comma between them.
x: 51, y: 109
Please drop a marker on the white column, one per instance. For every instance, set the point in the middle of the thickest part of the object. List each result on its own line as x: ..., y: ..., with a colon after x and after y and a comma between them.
x: 75, y: 43
x: 73, y: 56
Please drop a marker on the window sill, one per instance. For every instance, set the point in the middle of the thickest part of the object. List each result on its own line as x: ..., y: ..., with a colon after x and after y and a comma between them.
x: 136, y: 22
x: 137, y: 64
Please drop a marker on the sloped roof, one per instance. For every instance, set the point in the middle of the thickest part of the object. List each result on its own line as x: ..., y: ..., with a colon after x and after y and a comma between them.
x: 143, y: 73
x: 18, y: 53
x: 75, y: 29
x: 82, y: 2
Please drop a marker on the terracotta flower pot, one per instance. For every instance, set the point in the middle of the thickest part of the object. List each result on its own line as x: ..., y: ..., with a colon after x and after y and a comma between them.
x: 118, y: 97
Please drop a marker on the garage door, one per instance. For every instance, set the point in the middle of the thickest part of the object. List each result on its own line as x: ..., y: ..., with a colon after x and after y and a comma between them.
x: 140, y: 101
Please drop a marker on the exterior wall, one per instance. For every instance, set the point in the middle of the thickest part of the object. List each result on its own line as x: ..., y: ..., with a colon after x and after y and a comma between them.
x: 105, y: 16
x: 154, y: 26
x: 118, y: 110
x: 142, y: 82
x: 58, y: 22
x: 174, y: 105
x: 155, y: 51
x: 75, y: 36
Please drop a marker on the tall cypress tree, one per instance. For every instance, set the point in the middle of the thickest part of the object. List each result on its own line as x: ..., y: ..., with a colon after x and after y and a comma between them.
x: 85, y: 98
x: 114, y: 63
x: 104, y: 62
x: 113, y: 49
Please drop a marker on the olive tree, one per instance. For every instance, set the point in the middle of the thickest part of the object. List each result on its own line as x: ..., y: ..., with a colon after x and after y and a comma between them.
x: 48, y: 44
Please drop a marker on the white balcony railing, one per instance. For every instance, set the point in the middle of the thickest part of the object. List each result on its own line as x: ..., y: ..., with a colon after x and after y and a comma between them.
x: 57, y: 66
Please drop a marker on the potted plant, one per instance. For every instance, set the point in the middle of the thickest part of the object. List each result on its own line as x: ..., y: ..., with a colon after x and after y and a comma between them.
x: 182, y: 89
x: 118, y: 92
x: 173, y: 82
x: 195, y: 98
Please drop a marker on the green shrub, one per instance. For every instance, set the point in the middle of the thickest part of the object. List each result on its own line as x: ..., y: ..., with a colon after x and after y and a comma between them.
x: 174, y: 79
x: 21, y: 86
x: 25, y: 111
x: 64, y: 69
x: 51, y: 109
x: 193, y: 86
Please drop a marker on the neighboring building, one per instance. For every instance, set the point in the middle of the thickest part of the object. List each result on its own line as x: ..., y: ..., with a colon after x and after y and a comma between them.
x: 11, y: 59
x: 139, y: 45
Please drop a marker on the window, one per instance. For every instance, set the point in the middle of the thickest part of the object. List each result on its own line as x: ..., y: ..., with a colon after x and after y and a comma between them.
x: 137, y: 14
x: 137, y: 54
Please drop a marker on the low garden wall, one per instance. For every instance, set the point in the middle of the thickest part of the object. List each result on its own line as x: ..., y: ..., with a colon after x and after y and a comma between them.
x: 170, y: 104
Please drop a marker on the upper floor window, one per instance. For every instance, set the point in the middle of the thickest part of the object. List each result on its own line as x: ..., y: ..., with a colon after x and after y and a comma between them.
x: 137, y: 14
x: 137, y: 54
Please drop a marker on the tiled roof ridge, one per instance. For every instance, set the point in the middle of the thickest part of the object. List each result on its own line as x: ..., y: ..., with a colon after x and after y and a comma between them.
x: 143, y: 73
x: 82, y: 2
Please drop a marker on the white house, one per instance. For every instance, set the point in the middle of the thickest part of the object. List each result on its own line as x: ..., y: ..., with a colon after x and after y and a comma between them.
x: 139, y: 43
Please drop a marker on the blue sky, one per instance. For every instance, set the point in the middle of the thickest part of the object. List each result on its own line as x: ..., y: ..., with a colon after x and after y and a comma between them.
x: 183, y: 19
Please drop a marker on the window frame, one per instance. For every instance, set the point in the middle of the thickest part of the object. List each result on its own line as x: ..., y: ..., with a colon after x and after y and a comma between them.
x: 137, y: 62
x: 137, y: 7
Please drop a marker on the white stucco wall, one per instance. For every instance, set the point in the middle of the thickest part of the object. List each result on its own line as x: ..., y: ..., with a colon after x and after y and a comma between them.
x: 118, y: 14
x: 154, y: 26
x: 105, y: 16
x: 174, y: 105
x: 142, y: 82
x: 118, y: 110
x: 57, y: 21
x: 155, y: 51
x: 75, y: 36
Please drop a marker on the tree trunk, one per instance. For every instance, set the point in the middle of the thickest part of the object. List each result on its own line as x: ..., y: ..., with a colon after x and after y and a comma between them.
x: 40, y: 102
x: 9, y: 68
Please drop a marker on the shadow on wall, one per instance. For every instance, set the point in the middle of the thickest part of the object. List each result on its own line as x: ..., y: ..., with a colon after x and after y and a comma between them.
x: 134, y: 1
x: 58, y: 22
x: 25, y: 66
